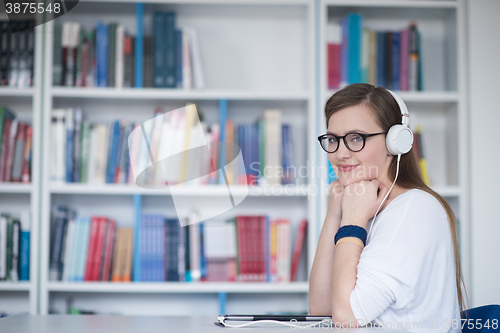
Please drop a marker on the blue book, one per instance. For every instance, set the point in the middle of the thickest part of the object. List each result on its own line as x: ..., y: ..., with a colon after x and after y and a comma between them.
x: 24, y: 252
x: 254, y: 166
x: 136, y: 262
x: 396, y: 38
x: 102, y: 54
x: 170, y: 53
x: 203, y: 260
x: 113, y: 147
x: 84, y: 246
x: 173, y: 246
x: 344, y: 55
x: 178, y: 59
x: 161, y: 247
x: 159, y: 50
x: 222, y: 150
x: 381, y: 70
x: 354, y: 48
x: 138, y: 46
x: 73, y: 261
x: 187, y: 254
x: 69, y: 145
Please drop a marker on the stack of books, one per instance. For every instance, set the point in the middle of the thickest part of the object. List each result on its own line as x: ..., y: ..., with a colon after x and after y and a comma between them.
x: 382, y: 58
x: 108, y: 55
x: 244, y: 248
x: 17, y: 53
x: 15, y: 247
x: 15, y: 148
x: 106, y: 153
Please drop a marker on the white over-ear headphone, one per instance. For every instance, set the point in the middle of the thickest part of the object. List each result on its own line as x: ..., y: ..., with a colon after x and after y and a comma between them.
x: 399, y: 139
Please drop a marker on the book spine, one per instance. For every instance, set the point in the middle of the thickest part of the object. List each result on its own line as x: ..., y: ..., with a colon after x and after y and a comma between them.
x: 159, y: 49
x: 18, y: 153
x: 395, y: 60
x: 170, y: 51
x: 16, y: 242
x: 138, y: 75
x: 70, y: 127
x: 24, y: 252
x: 3, y: 247
x: 94, y: 226
x: 102, y: 54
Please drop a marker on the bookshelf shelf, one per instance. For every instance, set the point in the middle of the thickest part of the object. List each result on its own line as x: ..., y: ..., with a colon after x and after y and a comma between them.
x: 16, y: 92
x: 174, y: 94
x: 15, y: 286
x: 209, y: 190
x: 178, y: 287
x: 15, y: 188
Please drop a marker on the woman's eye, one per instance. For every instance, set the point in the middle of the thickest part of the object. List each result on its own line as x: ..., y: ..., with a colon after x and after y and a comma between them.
x: 332, y: 140
x: 357, y: 138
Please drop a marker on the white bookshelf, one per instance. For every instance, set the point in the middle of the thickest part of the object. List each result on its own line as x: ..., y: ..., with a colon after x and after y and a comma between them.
x: 282, y: 77
x: 15, y: 198
x: 441, y: 108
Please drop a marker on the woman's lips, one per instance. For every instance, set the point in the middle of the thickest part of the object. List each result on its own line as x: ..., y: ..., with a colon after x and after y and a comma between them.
x: 347, y: 168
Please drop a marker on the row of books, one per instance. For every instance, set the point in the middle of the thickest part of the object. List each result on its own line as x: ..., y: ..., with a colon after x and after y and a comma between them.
x: 15, y: 247
x: 116, y: 153
x: 17, y: 53
x: 245, y: 248
x: 15, y: 148
x: 107, y: 55
x: 383, y: 58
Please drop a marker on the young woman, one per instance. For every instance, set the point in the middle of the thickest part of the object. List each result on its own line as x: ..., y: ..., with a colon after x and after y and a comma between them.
x: 405, y: 273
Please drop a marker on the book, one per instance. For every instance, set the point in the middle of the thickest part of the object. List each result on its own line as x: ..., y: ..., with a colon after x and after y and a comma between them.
x: 24, y: 253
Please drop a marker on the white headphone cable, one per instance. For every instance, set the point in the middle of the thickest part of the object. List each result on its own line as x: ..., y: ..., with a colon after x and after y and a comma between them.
x: 394, y: 182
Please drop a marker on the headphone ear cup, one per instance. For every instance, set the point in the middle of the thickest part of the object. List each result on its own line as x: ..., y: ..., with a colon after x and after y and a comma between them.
x: 399, y: 140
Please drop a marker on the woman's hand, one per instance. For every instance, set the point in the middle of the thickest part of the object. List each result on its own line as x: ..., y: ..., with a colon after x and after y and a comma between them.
x: 334, y: 212
x: 361, y: 200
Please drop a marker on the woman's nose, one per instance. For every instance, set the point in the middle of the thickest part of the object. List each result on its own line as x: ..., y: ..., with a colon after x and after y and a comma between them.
x: 342, y: 151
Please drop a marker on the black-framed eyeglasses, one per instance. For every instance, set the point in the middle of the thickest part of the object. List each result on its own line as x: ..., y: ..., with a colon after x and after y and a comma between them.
x: 353, y: 141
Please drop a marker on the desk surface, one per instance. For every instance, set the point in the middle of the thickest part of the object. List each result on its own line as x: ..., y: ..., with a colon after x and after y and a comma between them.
x: 135, y: 324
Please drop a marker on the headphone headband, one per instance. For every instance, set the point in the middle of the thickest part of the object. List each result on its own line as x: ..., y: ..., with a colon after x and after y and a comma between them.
x: 402, y: 107
x: 399, y: 139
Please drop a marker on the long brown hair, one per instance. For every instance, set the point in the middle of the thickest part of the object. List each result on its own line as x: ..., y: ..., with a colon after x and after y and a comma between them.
x: 387, y: 113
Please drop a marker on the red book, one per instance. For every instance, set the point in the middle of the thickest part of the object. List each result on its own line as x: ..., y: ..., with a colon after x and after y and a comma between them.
x: 108, y: 250
x: 26, y: 165
x: 333, y: 55
x: 297, y: 250
x: 404, y: 61
x: 262, y: 249
x: 99, y: 244
x: 5, y: 140
x: 94, y: 224
x: 242, y: 247
x: 333, y: 66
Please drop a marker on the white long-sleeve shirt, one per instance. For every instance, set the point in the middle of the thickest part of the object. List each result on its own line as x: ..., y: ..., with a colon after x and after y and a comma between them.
x: 406, y: 272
